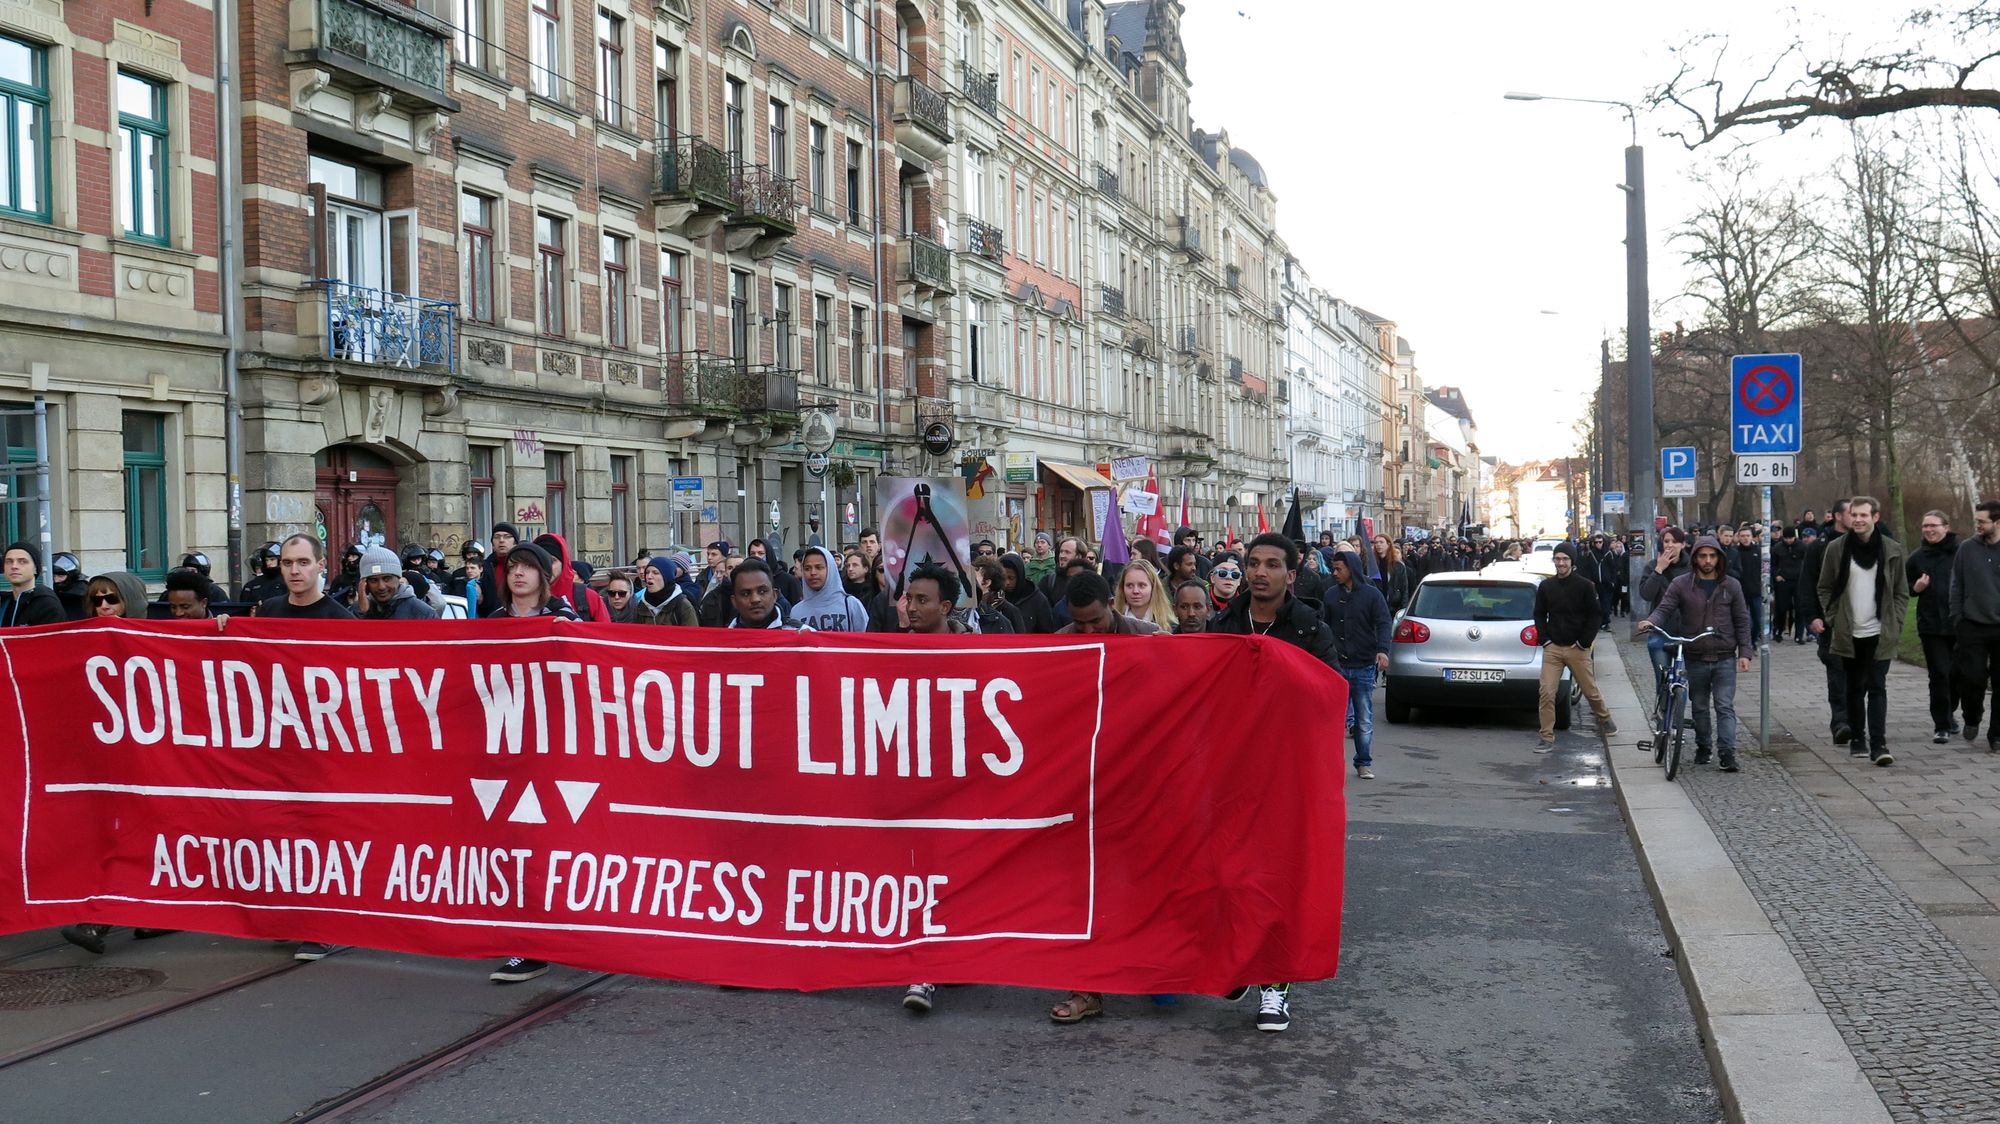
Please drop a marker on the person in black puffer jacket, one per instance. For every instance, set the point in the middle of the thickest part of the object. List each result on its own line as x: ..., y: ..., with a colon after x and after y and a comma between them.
x: 1036, y: 613
x: 1929, y: 572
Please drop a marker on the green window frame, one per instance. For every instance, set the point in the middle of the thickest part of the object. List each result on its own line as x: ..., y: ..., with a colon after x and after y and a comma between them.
x: 142, y: 171
x: 24, y: 119
x: 21, y: 520
x: 146, y: 495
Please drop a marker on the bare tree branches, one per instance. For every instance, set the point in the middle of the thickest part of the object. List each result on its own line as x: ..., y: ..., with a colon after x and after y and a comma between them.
x: 1798, y: 85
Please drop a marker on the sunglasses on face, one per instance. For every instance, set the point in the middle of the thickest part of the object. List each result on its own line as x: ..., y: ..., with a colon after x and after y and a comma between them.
x: 1230, y: 574
x: 617, y: 593
x: 106, y: 599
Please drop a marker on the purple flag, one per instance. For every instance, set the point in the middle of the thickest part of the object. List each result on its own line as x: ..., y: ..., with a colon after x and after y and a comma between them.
x: 1115, y: 549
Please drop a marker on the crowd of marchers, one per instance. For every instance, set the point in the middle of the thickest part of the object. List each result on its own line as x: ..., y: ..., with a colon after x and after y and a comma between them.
x: 1334, y: 599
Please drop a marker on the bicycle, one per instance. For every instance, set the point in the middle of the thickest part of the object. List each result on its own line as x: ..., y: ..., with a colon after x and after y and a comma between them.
x: 1668, y: 733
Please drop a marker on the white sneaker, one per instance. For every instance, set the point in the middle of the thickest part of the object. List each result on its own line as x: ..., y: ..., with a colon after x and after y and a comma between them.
x: 1273, y: 1012
x: 918, y: 998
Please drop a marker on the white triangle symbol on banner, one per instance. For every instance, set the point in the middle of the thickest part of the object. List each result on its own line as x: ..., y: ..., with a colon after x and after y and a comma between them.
x: 488, y: 793
x: 529, y: 810
x: 576, y: 796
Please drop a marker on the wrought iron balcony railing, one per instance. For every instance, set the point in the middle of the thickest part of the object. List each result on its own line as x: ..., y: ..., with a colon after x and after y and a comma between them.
x: 985, y: 239
x: 366, y: 325
x: 981, y: 88
x: 1187, y: 342
x: 720, y: 384
x: 924, y: 106
x: 1187, y: 237
x: 403, y: 48
x: 691, y: 167
x: 759, y: 196
x: 1111, y: 299
x: 1235, y: 369
x: 1107, y: 182
x: 929, y: 262
x: 1232, y: 278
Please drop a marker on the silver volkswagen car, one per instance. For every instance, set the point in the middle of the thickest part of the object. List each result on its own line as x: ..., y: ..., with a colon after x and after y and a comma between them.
x: 1468, y: 639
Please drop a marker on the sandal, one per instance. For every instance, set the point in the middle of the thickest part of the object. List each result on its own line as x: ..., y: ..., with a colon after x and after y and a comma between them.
x: 1079, y: 1006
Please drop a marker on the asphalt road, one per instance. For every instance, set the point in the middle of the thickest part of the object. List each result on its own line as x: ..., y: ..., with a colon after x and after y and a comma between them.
x: 1501, y: 963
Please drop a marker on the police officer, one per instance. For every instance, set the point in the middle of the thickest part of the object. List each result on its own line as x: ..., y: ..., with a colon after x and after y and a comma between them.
x: 198, y: 562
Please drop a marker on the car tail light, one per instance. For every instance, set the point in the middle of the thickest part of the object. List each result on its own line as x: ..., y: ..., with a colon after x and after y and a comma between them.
x: 1412, y: 632
x: 1530, y: 637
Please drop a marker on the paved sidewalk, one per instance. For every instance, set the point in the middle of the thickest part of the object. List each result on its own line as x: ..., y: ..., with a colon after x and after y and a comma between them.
x: 1881, y: 881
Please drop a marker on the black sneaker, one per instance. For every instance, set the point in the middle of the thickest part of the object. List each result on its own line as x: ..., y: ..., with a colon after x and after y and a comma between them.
x: 1236, y: 993
x: 149, y: 934
x: 1274, y: 1011
x: 1858, y: 748
x: 1941, y: 737
x: 1972, y: 733
x: 1993, y: 745
x: 518, y: 969
x: 313, y: 950
x: 89, y: 938
x: 1728, y: 763
x: 1700, y: 756
x: 1842, y: 733
x: 1882, y: 757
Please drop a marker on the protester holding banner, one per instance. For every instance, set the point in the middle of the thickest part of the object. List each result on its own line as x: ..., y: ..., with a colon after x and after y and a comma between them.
x: 301, y: 563
x: 930, y: 591
x: 1190, y: 607
x: 527, y: 574
x: 753, y: 599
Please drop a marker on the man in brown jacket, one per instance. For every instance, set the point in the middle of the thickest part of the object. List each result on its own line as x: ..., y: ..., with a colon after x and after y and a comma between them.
x: 1704, y: 598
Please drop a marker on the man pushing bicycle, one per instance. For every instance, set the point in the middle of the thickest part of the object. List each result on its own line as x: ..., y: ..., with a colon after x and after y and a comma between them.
x: 1706, y: 598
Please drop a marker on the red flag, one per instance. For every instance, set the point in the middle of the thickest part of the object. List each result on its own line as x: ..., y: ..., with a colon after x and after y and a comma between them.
x: 1154, y: 526
x: 1184, y: 507
x: 1263, y: 524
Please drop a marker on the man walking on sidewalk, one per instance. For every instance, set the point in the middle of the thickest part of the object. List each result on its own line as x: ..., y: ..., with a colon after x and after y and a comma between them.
x: 1862, y: 606
x: 1929, y: 570
x: 1566, y: 619
x: 1810, y: 610
x: 1975, y: 613
x: 1704, y: 598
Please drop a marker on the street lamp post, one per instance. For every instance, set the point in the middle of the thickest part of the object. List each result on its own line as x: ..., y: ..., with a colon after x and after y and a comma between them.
x: 1638, y: 332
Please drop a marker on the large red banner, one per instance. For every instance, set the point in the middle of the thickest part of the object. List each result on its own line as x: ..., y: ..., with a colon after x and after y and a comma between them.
x: 768, y: 809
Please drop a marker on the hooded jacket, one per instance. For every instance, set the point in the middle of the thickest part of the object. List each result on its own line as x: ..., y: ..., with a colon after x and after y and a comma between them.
x: 131, y: 593
x: 1892, y: 595
x: 1686, y: 608
x: 1934, y: 603
x: 830, y: 608
x: 671, y: 605
x: 38, y: 604
x: 1653, y: 585
x: 1036, y: 613
x: 1358, y: 618
x: 583, y: 599
x: 404, y: 606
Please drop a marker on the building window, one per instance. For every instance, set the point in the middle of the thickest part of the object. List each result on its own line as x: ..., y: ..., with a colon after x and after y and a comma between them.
x: 780, y: 158
x: 617, y: 293
x: 469, y: 37
x: 975, y: 340
x: 781, y: 323
x: 610, y: 69
x: 24, y: 115
x: 667, y: 90
x: 142, y: 169
x: 555, y: 493
x: 734, y: 93
x: 816, y: 16
x: 739, y: 315
x: 854, y: 159
x: 816, y: 167
x: 822, y: 340
x: 1014, y: 81
x: 857, y: 30
x: 545, y: 48
x: 146, y: 495
x: 673, y: 305
x: 621, y: 508
x: 475, y: 216
x: 1034, y: 103
x: 857, y: 347
x: 481, y: 460
x: 551, y: 274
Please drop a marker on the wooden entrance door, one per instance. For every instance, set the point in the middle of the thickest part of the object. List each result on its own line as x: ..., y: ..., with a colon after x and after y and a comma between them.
x: 355, y: 490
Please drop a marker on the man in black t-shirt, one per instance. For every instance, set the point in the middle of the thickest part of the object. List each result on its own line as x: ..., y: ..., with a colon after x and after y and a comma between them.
x: 301, y: 561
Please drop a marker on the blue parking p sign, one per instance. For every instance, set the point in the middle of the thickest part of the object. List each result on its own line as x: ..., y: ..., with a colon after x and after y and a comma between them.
x: 1764, y: 411
x: 1677, y: 463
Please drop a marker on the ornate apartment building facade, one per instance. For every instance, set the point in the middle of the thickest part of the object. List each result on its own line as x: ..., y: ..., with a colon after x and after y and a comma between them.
x: 535, y: 261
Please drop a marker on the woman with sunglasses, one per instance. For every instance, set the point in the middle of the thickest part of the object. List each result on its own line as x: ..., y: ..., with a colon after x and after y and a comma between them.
x: 1224, y: 580
x: 108, y: 595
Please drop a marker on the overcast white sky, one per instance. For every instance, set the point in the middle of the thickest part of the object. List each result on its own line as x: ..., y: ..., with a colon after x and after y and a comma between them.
x: 1408, y: 186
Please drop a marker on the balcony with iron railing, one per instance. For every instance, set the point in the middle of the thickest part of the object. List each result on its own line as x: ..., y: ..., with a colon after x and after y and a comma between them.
x: 1235, y: 370
x: 1232, y: 278
x: 924, y: 263
x: 982, y: 88
x: 385, y: 329
x: 720, y: 386
x: 1187, y: 239
x: 764, y: 210
x: 375, y: 46
x: 1107, y: 182
x: 1186, y: 341
x: 1111, y: 300
x: 985, y: 239
x: 692, y: 191
x: 923, y: 118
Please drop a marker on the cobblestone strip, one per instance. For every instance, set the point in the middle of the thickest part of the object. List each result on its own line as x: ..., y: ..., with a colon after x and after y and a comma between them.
x: 1921, y: 1020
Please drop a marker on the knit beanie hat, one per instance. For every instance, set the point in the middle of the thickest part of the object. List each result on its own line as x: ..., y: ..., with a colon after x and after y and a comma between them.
x: 380, y: 561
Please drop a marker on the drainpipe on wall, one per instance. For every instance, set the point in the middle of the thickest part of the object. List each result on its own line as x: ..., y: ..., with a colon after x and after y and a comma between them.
x: 875, y: 173
x: 229, y: 273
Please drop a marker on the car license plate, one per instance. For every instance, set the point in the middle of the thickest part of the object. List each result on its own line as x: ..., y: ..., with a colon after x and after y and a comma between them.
x: 1474, y: 675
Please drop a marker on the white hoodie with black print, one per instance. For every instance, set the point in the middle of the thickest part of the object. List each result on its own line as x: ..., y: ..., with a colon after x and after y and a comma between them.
x: 830, y: 608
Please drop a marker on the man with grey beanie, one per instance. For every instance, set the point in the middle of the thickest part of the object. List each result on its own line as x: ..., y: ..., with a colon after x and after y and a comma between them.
x: 385, y: 596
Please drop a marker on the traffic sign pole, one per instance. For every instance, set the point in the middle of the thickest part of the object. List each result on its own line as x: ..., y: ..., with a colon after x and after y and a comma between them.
x: 1764, y: 636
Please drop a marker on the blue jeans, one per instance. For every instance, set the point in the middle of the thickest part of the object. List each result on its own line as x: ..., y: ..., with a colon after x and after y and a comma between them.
x: 1713, y: 680
x: 1361, y: 709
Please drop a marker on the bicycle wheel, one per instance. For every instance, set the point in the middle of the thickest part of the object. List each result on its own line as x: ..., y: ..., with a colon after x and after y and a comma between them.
x: 1673, y: 762
x: 1662, y: 727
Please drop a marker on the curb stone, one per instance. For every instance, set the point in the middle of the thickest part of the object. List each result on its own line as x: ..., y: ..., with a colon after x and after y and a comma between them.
x: 1773, y: 1047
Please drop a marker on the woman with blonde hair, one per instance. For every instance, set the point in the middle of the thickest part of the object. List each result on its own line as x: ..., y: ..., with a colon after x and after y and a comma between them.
x: 1143, y: 596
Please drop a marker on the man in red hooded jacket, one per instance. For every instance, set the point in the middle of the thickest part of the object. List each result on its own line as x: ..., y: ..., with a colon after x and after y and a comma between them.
x: 583, y: 599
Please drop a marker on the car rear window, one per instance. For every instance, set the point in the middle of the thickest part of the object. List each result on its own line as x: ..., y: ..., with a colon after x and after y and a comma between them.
x: 1474, y: 601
